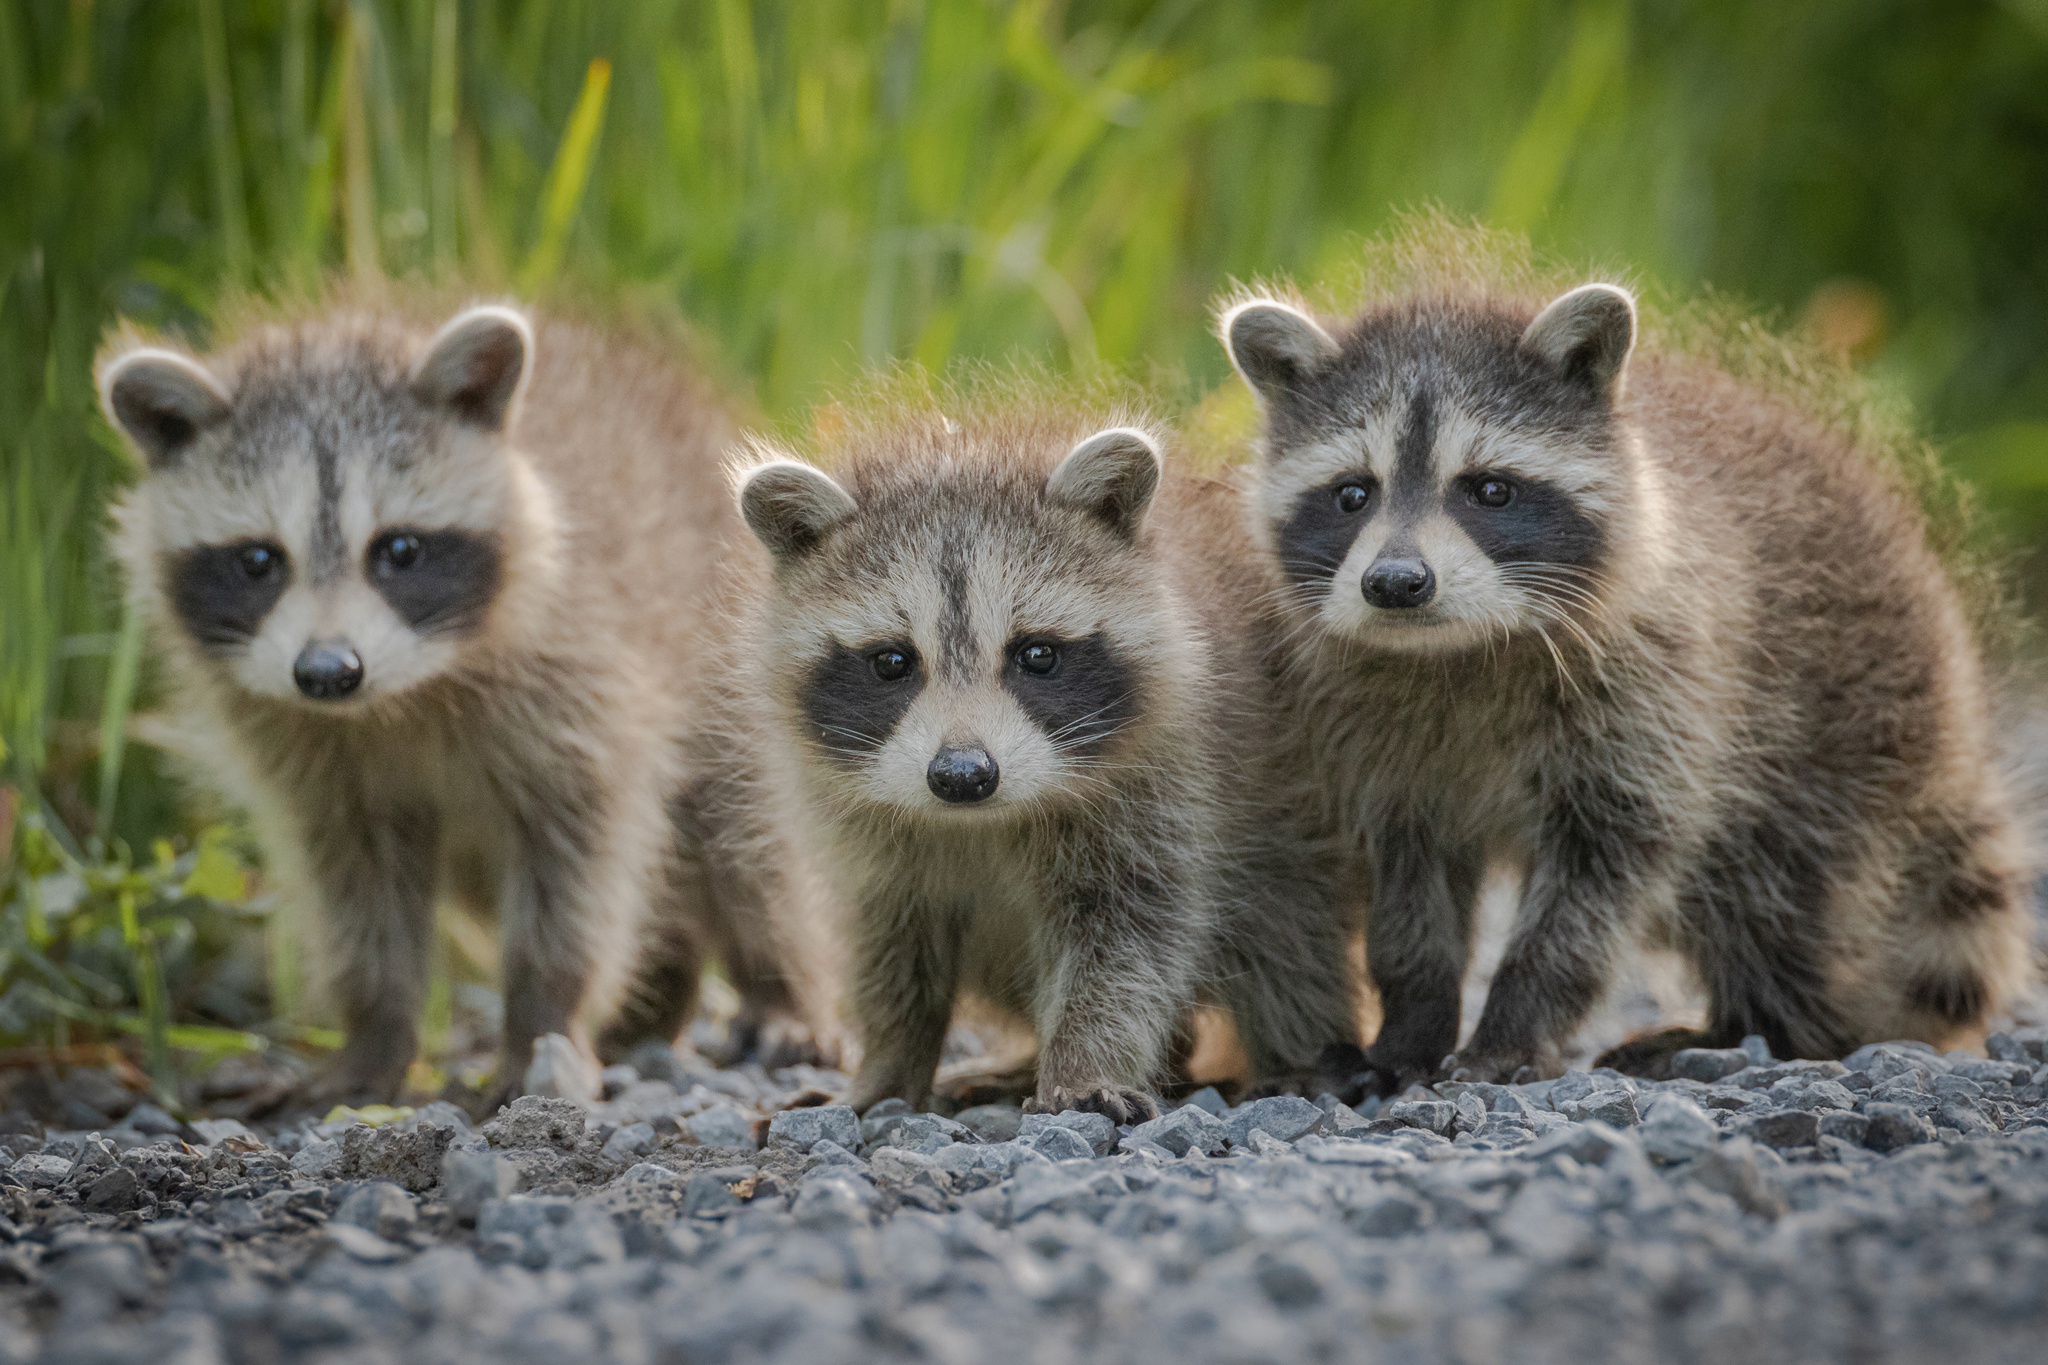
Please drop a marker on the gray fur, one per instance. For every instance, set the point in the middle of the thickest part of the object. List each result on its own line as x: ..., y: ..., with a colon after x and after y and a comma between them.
x: 535, y: 747
x: 1132, y: 862
x: 1698, y: 675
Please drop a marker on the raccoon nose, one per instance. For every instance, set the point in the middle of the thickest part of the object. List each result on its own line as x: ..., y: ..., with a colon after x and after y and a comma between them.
x: 327, y: 669
x: 962, y: 775
x: 1396, y: 584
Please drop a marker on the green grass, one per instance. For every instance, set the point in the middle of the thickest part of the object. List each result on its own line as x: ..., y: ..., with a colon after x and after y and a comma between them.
x: 824, y: 185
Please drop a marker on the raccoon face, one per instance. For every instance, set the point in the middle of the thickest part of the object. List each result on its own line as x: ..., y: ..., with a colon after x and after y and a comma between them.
x: 954, y: 645
x: 329, y: 529
x: 1442, y: 477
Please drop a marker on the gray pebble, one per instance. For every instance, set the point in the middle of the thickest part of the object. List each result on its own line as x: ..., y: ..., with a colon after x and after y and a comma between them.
x: 724, y: 1125
x: 798, y: 1130
x: 1096, y: 1131
x: 1282, y: 1117
x: 469, y: 1179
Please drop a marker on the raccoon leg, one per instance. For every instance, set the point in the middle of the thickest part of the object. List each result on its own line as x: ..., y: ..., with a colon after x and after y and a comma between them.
x: 906, y: 965
x: 670, y: 974
x: 1418, y: 943
x: 1597, y: 851
x: 1122, y: 981
x: 585, y: 858
x: 1281, y: 965
x: 374, y: 875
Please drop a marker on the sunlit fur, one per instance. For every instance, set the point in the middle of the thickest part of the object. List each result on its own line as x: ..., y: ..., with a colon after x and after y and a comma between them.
x: 531, y: 757
x: 1750, y: 720
x: 1132, y: 859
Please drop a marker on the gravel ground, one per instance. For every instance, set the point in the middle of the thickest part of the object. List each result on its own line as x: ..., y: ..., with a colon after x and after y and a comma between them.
x: 1891, y: 1207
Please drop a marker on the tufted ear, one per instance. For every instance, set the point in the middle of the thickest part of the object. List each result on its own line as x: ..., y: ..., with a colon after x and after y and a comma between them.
x: 1275, y: 346
x: 475, y: 366
x: 1588, y: 333
x: 1113, y: 474
x: 790, y: 505
x: 161, y: 401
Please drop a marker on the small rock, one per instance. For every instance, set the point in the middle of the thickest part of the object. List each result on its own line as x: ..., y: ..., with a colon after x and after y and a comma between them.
x: 1708, y: 1064
x: 612, y: 1081
x: 1434, y: 1116
x: 1284, y: 1117
x: 1674, y: 1129
x: 992, y: 1122
x: 2003, y: 1047
x: 1785, y: 1128
x: 320, y: 1158
x: 113, y: 1192
x: 656, y: 1061
x: 921, y: 1133
x: 798, y: 1130
x: 1181, y: 1130
x: 1894, y: 1126
x: 1094, y: 1130
x: 471, y: 1178
x: 362, y: 1244
x: 537, y: 1121
x: 1615, y: 1108
x: 40, y: 1171
x: 560, y: 1070
x: 833, y: 1199
x: 213, y: 1132
x: 1850, y: 1128
x: 648, y: 1173
x: 1210, y: 1100
x: 1393, y: 1215
x: 725, y: 1125
x: 150, y: 1121
x: 635, y: 1139
x: 1758, y: 1049
x: 380, y: 1207
x: 1733, y: 1169
x: 1057, y: 1144
x: 410, y: 1158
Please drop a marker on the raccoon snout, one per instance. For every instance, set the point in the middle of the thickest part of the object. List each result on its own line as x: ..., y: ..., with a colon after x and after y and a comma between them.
x: 327, y: 669
x: 1396, y: 584
x: 960, y: 776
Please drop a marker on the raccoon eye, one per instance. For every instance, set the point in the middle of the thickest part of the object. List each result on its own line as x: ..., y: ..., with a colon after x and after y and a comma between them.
x: 397, y: 551
x: 892, y: 665
x: 1040, y: 658
x: 1352, y: 498
x: 1493, y: 492
x: 259, y: 561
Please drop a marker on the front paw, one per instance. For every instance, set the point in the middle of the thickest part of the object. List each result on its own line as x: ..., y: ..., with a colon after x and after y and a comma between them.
x: 1121, y: 1103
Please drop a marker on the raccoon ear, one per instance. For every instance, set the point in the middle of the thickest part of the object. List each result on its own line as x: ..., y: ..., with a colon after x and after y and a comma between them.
x: 1588, y: 333
x: 790, y: 505
x: 161, y: 401
x: 1275, y: 346
x: 475, y: 366
x: 1113, y: 474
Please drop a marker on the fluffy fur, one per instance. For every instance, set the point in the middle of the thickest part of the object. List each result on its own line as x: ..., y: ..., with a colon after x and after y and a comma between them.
x: 1010, y: 669
x: 1680, y: 652
x: 435, y: 606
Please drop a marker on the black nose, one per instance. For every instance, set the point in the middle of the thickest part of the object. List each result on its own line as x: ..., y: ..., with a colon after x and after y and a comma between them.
x: 325, y: 670
x: 962, y: 775
x: 1398, y: 583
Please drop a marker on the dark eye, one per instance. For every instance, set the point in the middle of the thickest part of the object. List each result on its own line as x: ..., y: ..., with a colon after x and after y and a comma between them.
x: 260, y: 561
x: 1040, y: 658
x: 892, y: 665
x: 1352, y: 498
x: 397, y: 551
x: 1493, y: 492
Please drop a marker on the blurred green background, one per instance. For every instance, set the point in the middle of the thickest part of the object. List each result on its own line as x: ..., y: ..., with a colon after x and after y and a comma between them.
x: 821, y: 184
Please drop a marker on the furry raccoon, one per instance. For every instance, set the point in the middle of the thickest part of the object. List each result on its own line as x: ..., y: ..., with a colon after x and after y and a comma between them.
x: 1682, y: 653
x: 1013, y: 675
x: 432, y: 609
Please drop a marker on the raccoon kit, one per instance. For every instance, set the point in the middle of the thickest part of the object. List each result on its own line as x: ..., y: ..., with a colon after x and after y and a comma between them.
x: 1015, y: 680
x: 431, y: 607
x: 1681, y: 653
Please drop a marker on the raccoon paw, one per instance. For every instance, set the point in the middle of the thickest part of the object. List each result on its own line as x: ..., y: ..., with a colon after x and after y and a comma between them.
x: 1649, y: 1054
x: 1122, y: 1104
x: 1497, y: 1069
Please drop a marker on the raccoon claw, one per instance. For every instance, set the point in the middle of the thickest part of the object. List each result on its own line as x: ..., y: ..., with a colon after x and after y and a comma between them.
x: 1121, y: 1104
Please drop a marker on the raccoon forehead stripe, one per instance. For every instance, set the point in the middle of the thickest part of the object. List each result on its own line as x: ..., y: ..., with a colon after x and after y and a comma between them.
x: 1415, y: 476
x: 329, y: 548
x: 956, y: 626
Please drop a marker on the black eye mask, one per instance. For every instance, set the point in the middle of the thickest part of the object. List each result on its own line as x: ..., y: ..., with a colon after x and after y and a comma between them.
x: 1086, y: 694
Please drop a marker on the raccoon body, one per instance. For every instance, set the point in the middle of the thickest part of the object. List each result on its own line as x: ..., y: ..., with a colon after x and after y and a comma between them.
x: 1012, y: 676
x: 1679, y: 653
x: 432, y: 605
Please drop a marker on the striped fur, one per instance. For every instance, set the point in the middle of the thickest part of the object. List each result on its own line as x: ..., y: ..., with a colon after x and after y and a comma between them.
x: 1676, y: 651
x: 1136, y: 851
x: 528, y: 665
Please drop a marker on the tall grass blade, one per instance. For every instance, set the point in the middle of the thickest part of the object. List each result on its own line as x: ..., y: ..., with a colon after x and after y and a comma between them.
x: 227, y: 156
x: 359, y: 199
x: 120, y: 700
x: 441, y: 103
x: 562, y: 192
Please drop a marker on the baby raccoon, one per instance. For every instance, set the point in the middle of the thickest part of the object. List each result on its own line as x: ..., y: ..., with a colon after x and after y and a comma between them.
x: 1016, y: 681
x: 1683, y: 654
x: 432, y: 611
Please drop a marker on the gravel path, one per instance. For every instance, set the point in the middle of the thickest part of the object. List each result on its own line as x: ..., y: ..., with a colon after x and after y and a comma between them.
x: 1890, y: 1208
